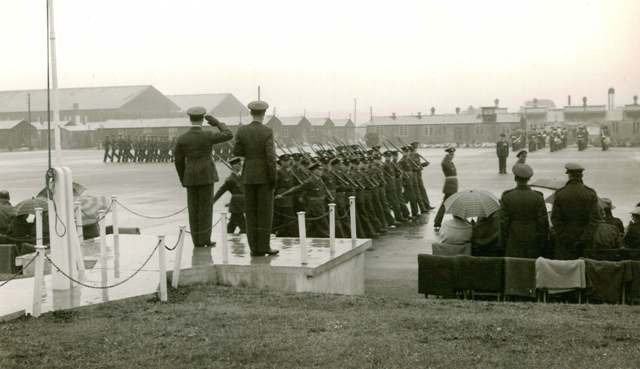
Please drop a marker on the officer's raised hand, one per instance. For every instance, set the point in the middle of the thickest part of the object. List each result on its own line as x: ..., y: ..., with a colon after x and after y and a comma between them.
x: 211, y: 120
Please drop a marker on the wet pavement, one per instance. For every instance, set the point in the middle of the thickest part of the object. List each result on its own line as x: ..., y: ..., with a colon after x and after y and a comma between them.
x: 391, y: 268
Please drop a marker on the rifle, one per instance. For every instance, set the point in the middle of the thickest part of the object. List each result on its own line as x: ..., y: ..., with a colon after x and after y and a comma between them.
x: 407, y: 156
x: 421, y: 157
x: 281, y: 147
x: 226, y: 163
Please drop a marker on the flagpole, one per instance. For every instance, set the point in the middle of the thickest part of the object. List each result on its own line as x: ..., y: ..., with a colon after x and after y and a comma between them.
x: 55, y: 108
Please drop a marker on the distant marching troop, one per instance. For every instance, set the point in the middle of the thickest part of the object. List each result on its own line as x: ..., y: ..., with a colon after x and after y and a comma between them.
x: 148, y: 149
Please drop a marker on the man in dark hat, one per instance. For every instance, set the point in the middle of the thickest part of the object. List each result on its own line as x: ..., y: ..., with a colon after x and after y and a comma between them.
x: 574, y: 216
x: 524, y: 225
x: 254, y: 142
x: 234, y: 185
x: 450, y: 183
x: 7, y: 216
x: 197, y: 171
x: 502, y: 150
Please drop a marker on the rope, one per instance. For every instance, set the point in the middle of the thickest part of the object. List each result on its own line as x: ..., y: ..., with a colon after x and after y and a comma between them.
x: 177, y: 242
x: 17, y: 274
x: 210, y: 228
x: 16, y: 239
x: 149, y: 216
x: 104, y: 287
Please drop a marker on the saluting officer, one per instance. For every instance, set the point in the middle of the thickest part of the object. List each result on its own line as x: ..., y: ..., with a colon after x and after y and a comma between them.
x: 197, y: 172
x: 254, y: 142
x: 502, y: 150
x: 524, y: 225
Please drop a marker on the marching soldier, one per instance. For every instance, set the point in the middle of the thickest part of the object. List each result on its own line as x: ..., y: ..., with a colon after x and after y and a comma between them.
x: 450, y: 184
x: 107, y: 145
x: 284, y: 215
x: 197, y: 172
x: 233, y: 184
x: 502, y: 150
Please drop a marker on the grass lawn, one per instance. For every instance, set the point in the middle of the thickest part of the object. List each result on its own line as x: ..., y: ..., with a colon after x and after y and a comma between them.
x: 206, y: 326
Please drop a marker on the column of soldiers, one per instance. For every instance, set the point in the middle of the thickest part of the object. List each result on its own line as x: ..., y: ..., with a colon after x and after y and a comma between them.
x: 149, y: 149
x: 387, y: 185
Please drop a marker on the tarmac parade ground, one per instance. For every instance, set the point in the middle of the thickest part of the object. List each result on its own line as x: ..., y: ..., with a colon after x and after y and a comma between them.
x: 391, y: 268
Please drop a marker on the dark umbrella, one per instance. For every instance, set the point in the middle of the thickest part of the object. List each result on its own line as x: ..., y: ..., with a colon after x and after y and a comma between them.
x: 29, y: 206
x: 78, y: 190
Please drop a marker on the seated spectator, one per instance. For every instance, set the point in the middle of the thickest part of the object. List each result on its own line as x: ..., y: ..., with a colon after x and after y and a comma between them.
x: 456, y: 231
x: 632, y: 237
x: 7, y: 216
x: 484, y: 237
x: 607, y: 207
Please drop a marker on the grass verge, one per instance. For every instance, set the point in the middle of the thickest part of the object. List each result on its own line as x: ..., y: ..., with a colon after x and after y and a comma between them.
x: 207, y: 326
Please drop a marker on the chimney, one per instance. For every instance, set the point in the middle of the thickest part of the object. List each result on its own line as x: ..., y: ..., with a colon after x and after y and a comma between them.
x: 635, y: 99
x: 496, y: 102
x: 393, y: 115
x: 584, y: 101
x: 433, y: 111
x: 611, y: 102
x: 535, y: 102
x: 568, y: 100
x: 457, y: 110
x: 371, y: 113
x: 419, y: 115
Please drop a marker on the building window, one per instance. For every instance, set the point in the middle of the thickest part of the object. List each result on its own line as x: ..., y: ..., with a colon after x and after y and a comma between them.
x: 615, y: 127
x: 403, y: 131
x: 636, y: 127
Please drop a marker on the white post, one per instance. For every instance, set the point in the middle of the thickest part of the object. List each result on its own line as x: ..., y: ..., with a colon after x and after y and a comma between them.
x: 352, y: 218
x: 332, y: 228
x: 78, y: 207
x: 302, y: 229
x: 39, y: 267
x: 116, y: 236
x: 163, y: 269
x: 103, y: 236
x: 224, y: 243
x: 177, y: 261
x: 55, y: 108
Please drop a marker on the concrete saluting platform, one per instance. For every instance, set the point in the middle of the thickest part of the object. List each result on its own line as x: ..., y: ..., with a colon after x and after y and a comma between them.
x: 341, y: 272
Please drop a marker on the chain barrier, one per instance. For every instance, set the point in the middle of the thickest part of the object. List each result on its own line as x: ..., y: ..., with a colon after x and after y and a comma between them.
x: 104, y: 287
x: 177, y: 242
x: 209, y: 229
x: 149, y: 216
x: 25, y: 239
x: 20, y: 272
x: 58, y: 220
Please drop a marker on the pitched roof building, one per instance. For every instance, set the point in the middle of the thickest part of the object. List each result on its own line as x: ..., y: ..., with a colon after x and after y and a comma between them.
x: 218, y: 105
x: 89, y: 104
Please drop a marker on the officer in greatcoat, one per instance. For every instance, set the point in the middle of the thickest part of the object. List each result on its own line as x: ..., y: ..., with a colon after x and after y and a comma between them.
x: 574, y: 215
x: 197, y: 171
x: 254, y: 142
x: 523, y: 225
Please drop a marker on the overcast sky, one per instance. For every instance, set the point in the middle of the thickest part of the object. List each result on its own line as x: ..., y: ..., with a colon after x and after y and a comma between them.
x: 397, y: 56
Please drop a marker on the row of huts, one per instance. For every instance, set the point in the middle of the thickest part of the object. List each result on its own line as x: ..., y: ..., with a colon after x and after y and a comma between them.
x: 290, y: 130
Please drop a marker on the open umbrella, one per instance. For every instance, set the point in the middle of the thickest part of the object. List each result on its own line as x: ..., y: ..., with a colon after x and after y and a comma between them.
x: 29, y: 206
x: 90, y: 206
x: 78, y: 190
x: 472, y: 203
x: 548, y: 183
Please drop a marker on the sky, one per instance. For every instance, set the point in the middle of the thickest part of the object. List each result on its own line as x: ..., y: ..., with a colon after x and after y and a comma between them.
x: 394, y: 56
